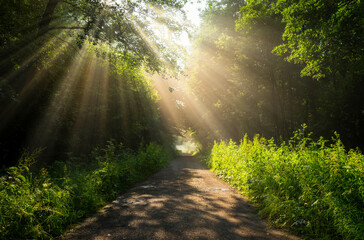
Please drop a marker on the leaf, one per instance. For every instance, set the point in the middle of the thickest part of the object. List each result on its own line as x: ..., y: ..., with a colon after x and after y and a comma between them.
x: 21, y: 177
x: 45, y: 185
x: 314, y: 203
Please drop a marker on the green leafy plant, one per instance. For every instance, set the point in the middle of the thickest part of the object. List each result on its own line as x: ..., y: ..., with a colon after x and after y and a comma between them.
x: 44, y: 204
x: 311, y: 187
x: 31, y: 206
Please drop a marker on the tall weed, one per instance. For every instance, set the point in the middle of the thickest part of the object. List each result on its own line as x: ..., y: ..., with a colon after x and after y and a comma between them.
x: 314, y: 188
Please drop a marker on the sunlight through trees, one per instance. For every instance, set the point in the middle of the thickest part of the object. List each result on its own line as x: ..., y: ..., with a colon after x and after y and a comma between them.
x: 136, y: 77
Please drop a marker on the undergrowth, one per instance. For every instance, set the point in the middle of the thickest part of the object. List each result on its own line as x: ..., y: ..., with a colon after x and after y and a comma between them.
x: 44, y: 204
x: 311, y: 187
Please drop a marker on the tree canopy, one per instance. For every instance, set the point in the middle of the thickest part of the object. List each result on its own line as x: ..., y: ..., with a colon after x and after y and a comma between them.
x: 72, y: 73
x: 125, y: 25
x: 269, y: 66
x: 322, y: 35
x: 258, y: 66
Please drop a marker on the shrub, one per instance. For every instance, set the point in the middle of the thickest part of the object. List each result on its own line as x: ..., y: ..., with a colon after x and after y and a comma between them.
x: 31, y: 206
x: 311, y: 187
x: 44, y: 204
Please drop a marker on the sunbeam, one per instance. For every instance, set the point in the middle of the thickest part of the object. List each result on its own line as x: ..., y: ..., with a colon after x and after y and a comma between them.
x: 59, y: 103
x: 31, y: 81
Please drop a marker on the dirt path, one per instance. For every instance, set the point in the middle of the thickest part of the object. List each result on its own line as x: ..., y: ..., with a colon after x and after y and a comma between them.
x: 182, y: 201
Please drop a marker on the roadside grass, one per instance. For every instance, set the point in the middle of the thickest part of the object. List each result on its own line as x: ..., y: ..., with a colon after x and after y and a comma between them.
x: 311, y: 187
x: 42, y: 205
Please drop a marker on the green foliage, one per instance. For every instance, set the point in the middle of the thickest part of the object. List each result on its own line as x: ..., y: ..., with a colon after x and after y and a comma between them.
x: 72, y: 73
x: 245, y: 87
x: 320, y: 34
x: 106, y: 96
x: 125, y: 25
x: 17, y: 20
x: 44, y: 204
x: 312, y: 187
x: 31, y: 205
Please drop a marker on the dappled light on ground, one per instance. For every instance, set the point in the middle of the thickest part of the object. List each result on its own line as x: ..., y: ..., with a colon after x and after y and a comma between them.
x: 83, y: 77
x: 183, y: 201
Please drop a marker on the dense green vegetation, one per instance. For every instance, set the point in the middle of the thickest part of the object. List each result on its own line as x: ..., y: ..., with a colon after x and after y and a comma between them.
x: 42, y: 204
x: 76, y: 73
x: 72, y: 75
x: 312, y: 187
x: 266, y: 67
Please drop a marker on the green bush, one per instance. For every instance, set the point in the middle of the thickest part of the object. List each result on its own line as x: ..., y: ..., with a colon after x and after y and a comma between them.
x: 45, y: 204
x: 308, y: 186
x: 31, y: 206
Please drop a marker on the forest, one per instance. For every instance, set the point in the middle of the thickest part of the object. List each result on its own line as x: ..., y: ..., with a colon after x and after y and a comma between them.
x: 98, y: 91
x: 274, y: 65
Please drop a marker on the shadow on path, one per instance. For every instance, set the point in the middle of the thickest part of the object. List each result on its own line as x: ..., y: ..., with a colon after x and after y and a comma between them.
x: 182, y: 201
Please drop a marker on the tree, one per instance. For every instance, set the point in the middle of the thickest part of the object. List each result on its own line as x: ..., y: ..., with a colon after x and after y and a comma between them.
x: 245, y: 85
x: 325, y: 38
x: 242, y: 86
x: 58, y: 55
x: 323, y: 35
x: 125, y: 25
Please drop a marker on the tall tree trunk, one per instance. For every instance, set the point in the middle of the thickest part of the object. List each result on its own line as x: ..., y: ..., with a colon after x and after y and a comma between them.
x: 47, y: 17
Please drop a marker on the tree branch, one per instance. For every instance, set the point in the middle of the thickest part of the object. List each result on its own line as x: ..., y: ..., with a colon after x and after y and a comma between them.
x: 75, y: 6
x: 63, y: 40
x: 65, y: 27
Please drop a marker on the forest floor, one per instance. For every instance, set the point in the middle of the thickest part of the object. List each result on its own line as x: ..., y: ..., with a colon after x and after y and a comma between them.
x: 182, y: 201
